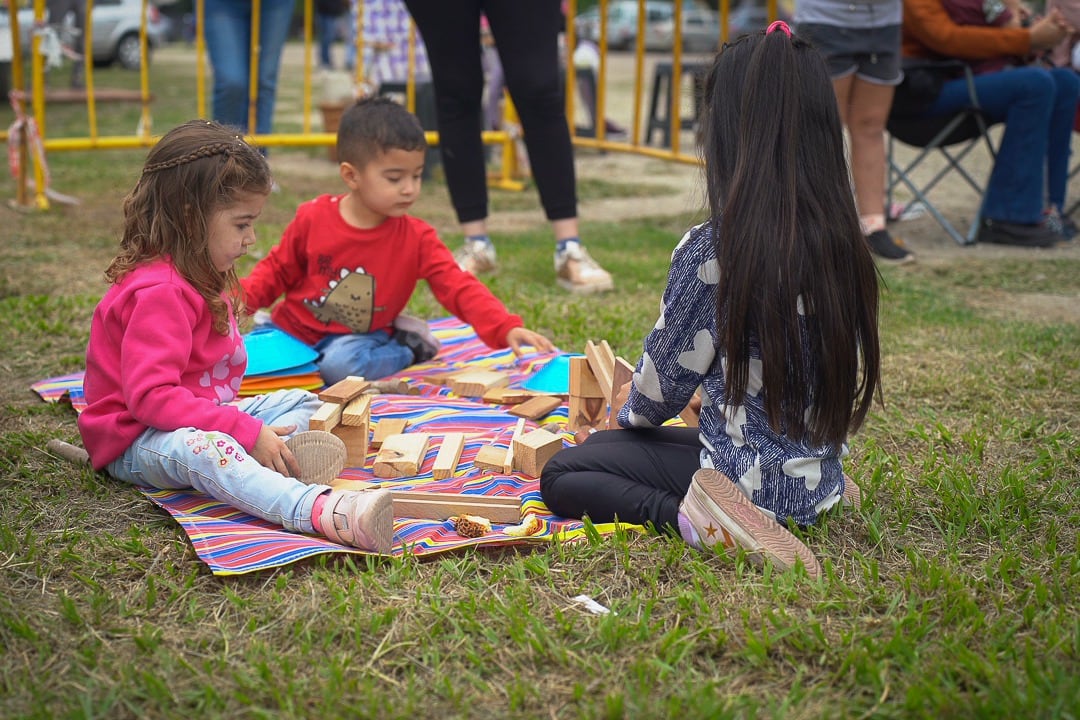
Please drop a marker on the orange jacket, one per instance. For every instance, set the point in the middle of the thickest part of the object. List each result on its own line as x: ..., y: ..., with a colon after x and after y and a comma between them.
x: 929, y: 32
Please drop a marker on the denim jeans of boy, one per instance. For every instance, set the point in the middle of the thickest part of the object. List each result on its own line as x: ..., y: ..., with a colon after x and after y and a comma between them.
x: 1037, y: 106
x: 215, y: 464
x: 228, y: 41
x: 370, y: 355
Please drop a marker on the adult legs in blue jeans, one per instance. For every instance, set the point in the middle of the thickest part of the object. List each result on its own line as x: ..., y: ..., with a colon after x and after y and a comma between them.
x: 636, y: 476
x: 228, y: 41
x: 1066, y: 98
x: 1024, y: 99
x: 371, y: 355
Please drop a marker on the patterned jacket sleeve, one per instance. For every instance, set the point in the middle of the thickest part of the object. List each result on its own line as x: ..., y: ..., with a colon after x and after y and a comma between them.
x: 680, y: 348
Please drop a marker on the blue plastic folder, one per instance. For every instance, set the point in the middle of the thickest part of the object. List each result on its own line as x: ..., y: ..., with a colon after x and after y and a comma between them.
x: 271, y: 350
x: 554, y: 377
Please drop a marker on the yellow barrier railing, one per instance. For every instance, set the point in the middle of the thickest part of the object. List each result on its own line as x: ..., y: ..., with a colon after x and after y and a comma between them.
x: 32, y: 126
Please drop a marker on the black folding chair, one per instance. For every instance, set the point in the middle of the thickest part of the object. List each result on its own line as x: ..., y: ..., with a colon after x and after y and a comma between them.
x: 952, y: 137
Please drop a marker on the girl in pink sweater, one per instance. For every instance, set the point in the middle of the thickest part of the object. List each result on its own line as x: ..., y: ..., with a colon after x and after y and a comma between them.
x: 165, y: 357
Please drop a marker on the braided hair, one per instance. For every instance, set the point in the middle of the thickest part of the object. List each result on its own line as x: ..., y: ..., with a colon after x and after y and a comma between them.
x: 194, y: 171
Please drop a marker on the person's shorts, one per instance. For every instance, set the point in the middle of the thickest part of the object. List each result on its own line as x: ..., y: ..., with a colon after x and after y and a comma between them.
x: 871, y: 54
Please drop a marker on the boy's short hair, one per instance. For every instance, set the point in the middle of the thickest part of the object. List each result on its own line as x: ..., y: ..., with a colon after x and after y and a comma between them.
x: 375, y: 125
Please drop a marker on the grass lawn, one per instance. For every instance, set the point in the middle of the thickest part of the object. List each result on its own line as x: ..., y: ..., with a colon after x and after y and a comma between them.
x: 952, y: 592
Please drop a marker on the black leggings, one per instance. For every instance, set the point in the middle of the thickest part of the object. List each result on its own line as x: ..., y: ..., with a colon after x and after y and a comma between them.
x: 526, y: 36
x: 635, y: 476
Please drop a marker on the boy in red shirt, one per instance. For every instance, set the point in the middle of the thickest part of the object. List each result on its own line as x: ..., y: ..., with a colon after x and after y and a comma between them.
x: 348, y: 264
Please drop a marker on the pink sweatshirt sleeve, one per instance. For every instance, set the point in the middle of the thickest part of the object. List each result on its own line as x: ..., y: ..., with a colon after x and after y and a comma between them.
x: 155, y: 353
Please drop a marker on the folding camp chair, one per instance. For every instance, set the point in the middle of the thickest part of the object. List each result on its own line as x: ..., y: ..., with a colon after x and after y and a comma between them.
x: 952, y: 137
x: 1076, y: 168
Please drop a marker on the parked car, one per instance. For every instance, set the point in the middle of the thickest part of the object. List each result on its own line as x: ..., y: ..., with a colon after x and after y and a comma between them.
x: 700, y: 30
x: 622, y: 22
x: 749, y: 16
x: 115, y: 30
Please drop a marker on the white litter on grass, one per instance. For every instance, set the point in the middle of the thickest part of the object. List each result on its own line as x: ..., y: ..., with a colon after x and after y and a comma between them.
x: 591, y: 605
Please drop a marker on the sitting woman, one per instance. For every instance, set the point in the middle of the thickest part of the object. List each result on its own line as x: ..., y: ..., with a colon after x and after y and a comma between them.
x: 1025, y: 197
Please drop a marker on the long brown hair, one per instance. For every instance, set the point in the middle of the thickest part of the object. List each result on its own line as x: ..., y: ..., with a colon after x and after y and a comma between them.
x: 788, y: 240
x: 194, y: 171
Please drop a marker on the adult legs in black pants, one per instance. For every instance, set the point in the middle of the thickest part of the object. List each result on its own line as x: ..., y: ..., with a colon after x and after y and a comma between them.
x: 526, y: 37
x: 636, y: 476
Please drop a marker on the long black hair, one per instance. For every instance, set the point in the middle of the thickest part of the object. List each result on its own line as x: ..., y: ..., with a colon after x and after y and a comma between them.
x: 788, y: 239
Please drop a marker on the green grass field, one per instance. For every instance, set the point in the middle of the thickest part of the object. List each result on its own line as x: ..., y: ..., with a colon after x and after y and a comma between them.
x: 950, y: 593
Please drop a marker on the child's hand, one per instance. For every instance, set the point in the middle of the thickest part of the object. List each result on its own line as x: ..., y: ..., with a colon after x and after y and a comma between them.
x: 272, y: 452
x: 521, y: 336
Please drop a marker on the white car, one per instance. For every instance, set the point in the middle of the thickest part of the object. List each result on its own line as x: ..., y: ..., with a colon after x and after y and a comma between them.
x: 115, y: 31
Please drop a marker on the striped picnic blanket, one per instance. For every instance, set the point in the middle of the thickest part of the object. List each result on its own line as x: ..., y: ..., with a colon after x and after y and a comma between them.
x: 232, y: 542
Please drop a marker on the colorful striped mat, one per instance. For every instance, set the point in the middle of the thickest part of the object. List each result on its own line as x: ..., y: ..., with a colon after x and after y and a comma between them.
x: 231, y: 542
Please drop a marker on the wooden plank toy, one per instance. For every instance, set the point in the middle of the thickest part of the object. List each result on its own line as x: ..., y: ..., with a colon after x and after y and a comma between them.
x: 623, y: 372
x: 387, y: 427
x: 508, y: 459
x: 345, y: 390
x: 326, y: 417
x: 490, y: 457
x: 400, y: 455
x: 428, y: 505
x: 536, y: 407
x: 477, y: 382
x: 449, y: 454
x: 357, y: 413
x: 533, y: 449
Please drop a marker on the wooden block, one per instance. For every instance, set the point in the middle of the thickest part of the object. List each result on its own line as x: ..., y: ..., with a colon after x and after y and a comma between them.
x: 507, y: 395
x: 386, y: 427
x: 533, y: 449
x: 602, y: 365
x: 440, y: 506
x: 449, y: 454
x: 357, y: 413
x: 623, y: 373
x: 586, y: 413
x: 537, y: 407
x: 583, y: 382
x: 426, y: 505
x: 355, y: 438
x: 326, y: 417
x: 400, y: 455
x: 490, y: 457
x: 342, y: 392
x: 508, y: 461
x: 477, y: 382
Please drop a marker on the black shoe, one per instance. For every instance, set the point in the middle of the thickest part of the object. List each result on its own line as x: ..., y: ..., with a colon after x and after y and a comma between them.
x: 1038, y: 235
x: 422, y: 350
x: 882, y: 245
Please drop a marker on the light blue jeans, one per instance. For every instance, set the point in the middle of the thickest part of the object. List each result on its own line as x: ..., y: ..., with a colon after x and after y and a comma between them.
x: 215, y: 464
x: 370, y: 355
x: 1037, y: 106
x: 228, y: 41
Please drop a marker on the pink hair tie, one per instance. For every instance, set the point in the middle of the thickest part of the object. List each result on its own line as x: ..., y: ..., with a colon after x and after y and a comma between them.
x: 779, y: 25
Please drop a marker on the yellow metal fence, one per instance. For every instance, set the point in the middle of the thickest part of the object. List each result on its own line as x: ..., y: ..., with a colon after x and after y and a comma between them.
x: 32, y: 142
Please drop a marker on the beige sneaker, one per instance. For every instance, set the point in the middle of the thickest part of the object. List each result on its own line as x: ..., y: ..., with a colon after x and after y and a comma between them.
x: 320, y: 455
x: 720, y: 513
x: 476, y: 256
x: 362, y: 519
x: 852, y: 493
x: 577, y: 272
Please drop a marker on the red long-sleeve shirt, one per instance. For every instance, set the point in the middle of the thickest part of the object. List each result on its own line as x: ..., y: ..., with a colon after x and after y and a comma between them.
x: 339, y: 279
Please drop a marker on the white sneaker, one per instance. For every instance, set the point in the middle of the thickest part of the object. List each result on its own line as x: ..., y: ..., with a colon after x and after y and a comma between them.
x: 363, y: 519
x: 576, y: 271
x: 721, y: 514
x: 476, y: 256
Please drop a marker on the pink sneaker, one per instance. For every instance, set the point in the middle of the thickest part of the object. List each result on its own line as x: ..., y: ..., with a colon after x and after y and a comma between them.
x: 720, y: 513
x: 362, y: 519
